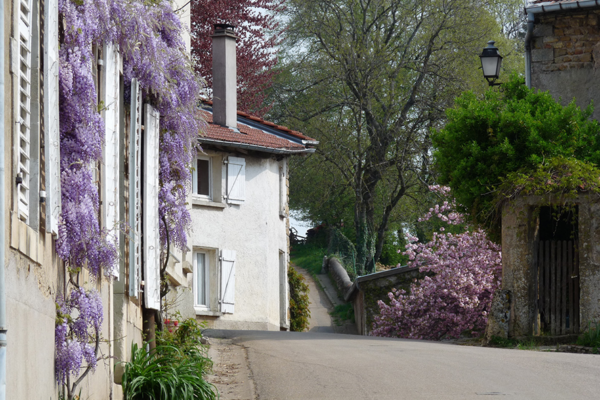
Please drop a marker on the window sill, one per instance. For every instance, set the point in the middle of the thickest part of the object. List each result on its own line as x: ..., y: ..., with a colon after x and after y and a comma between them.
x: 207, y: 313
x: 206, y: 203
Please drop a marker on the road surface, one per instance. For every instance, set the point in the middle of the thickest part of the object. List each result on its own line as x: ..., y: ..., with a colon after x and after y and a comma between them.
x: 291, y: 365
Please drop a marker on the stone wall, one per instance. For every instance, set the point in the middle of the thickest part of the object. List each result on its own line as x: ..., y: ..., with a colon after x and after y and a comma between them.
x: 566, y: 56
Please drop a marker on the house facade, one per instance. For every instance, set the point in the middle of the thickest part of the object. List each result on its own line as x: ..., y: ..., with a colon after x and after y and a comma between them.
x: 239, y: 244
x: 32, y: 276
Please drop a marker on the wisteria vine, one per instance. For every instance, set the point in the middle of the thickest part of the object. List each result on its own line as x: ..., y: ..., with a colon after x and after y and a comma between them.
x: 466, y: 271
x: 148, y: 36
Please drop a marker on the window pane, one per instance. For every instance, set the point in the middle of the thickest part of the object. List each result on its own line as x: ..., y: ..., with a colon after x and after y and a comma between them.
x: 201, y: 280
x: 202, y: 170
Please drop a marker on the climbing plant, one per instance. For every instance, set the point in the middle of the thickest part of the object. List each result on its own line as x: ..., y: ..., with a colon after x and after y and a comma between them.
x: 148, y: 37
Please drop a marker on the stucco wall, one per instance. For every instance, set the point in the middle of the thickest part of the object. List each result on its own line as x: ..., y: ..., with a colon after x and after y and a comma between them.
x: 257, y: 233
x: 566, y: 56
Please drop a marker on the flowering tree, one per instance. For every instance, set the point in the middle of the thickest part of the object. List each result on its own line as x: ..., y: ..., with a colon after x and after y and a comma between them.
x: 258, y: 32
x: 148, y: 36
x: 463, y: 273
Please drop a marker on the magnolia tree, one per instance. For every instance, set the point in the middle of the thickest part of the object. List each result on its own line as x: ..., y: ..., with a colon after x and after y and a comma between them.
x: 148, y: 36
x: 463, y: 271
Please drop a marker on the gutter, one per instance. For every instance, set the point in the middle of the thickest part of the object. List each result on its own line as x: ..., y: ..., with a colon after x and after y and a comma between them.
x: 255, y: 147
x: 3, y: 326
x: 532, y: 10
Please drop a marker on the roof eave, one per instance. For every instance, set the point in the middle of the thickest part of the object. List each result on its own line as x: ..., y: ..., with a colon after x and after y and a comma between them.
x: 256, y: 147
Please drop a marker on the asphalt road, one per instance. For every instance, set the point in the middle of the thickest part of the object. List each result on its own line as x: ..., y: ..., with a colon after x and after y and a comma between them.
x: 290, y: 365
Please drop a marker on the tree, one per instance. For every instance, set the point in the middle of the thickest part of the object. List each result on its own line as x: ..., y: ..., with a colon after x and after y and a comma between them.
x: 258, y: 32
x: 516, y: 129
x: 371, y: 83
x: 465, y: 272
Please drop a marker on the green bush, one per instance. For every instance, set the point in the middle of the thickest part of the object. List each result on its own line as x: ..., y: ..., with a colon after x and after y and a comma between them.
x: 166, y: 374
x: 516, y: 129
x: 299, y: 303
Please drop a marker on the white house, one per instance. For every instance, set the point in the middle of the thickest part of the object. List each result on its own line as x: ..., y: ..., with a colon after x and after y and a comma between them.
x: 239, y: 248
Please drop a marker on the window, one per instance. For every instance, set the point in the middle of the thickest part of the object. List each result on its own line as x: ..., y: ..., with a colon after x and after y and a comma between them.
x: 203, y: 178
x: 201, y: 281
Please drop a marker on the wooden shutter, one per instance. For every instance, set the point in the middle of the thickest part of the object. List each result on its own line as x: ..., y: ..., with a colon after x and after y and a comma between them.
x: 51, y: 117
x: 111, y: 144
x: 236, y: 180
x: 151, y: 223
x: 135, y: 221
x: 227, y: 298
x: 23, y: 117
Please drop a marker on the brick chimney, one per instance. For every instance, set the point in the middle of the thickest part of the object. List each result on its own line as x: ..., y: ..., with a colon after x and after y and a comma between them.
x: 224, y: 76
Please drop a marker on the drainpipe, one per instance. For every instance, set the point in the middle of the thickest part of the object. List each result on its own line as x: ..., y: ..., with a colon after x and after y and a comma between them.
x: 3, y: 327
x: 530, y: 21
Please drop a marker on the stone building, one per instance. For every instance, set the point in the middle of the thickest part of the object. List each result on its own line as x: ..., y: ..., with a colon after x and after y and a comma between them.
x: 563, y: 50
x: 551, y: 267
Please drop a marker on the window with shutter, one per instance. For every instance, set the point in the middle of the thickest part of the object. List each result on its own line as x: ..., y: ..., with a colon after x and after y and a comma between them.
x: 201, y: 281
x: 51, y: 120
x: 151, y: 222
x: 23, y: 106
x: 236, y: 180
x: 202, y: 178
x: 227, y: 298
x: 135, y: 137
x: 111, y: 140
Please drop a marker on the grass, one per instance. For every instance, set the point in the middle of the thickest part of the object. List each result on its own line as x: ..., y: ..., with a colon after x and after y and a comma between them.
x: 342, y: 313
x: 308, y: 256
x: 591, y: 337
x: 525, y: 344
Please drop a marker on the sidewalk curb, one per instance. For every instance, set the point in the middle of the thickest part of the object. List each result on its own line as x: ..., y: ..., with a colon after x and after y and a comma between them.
x: 327, y: 287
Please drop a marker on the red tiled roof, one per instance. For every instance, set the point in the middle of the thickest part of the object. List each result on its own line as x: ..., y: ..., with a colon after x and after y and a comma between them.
x: 249, y: 135
x: 549, y: 2
x: 262, y: 121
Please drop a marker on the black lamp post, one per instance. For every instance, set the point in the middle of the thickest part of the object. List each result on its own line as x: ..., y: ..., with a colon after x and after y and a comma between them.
x: 491, y: 60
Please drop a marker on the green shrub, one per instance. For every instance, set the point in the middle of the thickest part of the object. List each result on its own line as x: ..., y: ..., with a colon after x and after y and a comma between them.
x: 516, y: 129
x: 166, y: 374
x: 299, y: 303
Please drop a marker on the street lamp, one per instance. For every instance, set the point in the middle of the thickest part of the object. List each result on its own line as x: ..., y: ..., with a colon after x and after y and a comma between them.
x: 491, y: 60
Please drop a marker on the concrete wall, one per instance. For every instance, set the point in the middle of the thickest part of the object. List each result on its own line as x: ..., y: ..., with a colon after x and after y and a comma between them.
x: 372, y: 289
x: 566, y: 56
x: 256, y: 231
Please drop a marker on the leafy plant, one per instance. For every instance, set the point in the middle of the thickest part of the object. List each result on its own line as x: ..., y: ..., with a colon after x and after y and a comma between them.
x: 186, y: 336
x: 165, y: 373
x: 299, y: 303
x: 591, y: 337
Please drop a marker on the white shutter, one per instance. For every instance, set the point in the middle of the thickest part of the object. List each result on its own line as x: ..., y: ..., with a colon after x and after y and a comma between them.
x: 227, y: 298
x: 135, y: 137
x: 23, y: 118
x: 151, y: 223
x: 236, y: 180
x: 111, y: 144
x: 51, y: 117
